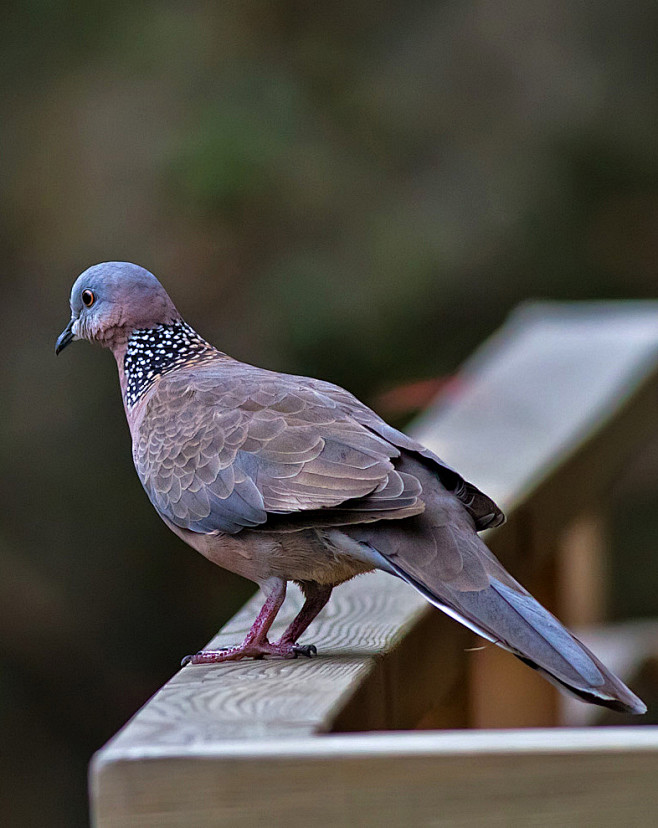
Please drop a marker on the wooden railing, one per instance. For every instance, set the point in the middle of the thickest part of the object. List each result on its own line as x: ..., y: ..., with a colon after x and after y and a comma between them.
x: 543, y: 418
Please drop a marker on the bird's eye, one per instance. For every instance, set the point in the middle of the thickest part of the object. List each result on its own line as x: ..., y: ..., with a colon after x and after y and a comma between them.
x: 88, y: 298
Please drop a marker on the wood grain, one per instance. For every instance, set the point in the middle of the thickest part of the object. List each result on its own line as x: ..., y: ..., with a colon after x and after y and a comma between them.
x: 511, y: 778
x: 366, y: 618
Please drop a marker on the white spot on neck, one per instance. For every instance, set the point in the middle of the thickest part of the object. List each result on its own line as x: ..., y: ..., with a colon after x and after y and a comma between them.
x: 153, y: 352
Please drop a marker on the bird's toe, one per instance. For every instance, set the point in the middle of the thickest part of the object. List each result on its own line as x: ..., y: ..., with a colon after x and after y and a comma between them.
x: 308, y: 650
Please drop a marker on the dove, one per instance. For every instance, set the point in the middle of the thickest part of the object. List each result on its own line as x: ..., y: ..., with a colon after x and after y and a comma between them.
x: 283, y: 478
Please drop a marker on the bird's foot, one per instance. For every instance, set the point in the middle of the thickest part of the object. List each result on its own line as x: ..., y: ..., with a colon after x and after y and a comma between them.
x: 252, y: 649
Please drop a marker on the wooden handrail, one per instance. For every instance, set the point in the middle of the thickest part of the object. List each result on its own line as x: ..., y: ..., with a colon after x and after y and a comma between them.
x: 543, y: 418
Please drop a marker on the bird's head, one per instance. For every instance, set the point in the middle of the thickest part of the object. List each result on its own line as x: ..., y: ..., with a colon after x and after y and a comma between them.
x: 111, y: 300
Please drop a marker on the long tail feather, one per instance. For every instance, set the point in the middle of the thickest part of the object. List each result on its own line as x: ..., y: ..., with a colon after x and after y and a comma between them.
x: 519, y: 623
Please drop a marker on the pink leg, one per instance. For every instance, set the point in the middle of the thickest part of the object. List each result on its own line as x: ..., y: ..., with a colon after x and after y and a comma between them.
x: 317, y: 596
x: 255, y: 644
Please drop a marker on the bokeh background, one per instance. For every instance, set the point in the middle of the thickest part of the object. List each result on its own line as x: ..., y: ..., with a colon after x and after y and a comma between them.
x: 360, y: 191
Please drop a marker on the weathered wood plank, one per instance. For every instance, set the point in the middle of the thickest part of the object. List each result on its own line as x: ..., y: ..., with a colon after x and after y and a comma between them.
x: 251, y: 699
x: 547, y: 382
x: 512, y: 778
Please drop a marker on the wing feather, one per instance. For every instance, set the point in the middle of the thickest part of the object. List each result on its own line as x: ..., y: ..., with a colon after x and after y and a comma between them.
x: 219, y: 449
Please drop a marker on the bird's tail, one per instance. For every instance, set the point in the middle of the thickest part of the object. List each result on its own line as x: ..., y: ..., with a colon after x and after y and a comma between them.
x: 517, y: 622
x: 456, y: 572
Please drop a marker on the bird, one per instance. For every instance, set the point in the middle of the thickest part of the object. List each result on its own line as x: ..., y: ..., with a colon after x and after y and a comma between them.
x: 282, y: 478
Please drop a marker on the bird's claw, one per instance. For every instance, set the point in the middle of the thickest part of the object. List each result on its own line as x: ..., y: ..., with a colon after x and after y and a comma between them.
x: 189, y: 659
x: 308, y: 650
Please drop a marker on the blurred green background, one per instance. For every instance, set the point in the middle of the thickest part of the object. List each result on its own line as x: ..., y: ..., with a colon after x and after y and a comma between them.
x: 359, y: 191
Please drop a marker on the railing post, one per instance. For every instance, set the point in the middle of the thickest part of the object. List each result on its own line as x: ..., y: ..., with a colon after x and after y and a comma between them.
x: 582, y: 570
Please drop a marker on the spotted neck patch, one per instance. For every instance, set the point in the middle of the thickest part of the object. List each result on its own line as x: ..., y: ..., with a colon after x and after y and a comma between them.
x: 153, y: 352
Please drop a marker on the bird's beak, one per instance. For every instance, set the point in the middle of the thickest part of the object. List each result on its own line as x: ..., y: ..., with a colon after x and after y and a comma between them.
x: 66, y: 337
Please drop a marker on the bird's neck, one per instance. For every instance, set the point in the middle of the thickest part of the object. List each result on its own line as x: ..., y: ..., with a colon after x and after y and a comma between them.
x: 149, y: 353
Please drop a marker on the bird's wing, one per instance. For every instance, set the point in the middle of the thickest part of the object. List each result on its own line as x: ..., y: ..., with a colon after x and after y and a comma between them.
x: 224, y: 446
x: 481, y: 507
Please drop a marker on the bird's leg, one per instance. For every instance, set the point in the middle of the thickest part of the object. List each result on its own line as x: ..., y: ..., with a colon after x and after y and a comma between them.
x: 316, y: 596
x: 255, y: 644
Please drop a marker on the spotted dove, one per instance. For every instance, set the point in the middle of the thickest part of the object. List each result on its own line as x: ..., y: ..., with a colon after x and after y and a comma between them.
x: 284, y: 478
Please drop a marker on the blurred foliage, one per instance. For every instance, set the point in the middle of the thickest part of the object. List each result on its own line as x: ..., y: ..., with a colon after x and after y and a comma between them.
x: 356, y: 191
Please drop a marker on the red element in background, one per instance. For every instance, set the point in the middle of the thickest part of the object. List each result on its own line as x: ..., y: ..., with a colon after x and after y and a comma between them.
x: 415, y: 396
